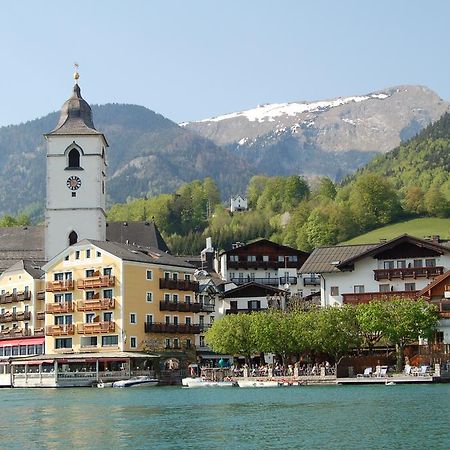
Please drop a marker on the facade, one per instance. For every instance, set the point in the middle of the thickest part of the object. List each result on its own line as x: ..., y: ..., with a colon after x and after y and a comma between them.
x: 265, y: 262
x: 238, y: 203
x: 360, y: 273
x: 76, y: 172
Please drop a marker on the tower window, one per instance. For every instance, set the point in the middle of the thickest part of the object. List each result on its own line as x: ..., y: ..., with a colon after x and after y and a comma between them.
x: 73, y: 238
x: 74, y: 158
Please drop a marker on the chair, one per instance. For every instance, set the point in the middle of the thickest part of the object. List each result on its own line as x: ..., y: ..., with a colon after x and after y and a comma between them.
x: 367, y: 373
x: 424, y: 370
x: 381, y: 371
x: 407, y: 370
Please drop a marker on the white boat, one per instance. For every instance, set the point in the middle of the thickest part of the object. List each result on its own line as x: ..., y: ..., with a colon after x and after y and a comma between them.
x: 258, y: 383
x: 198, y: 382
x: 136, y: 382
x: 390, y: 383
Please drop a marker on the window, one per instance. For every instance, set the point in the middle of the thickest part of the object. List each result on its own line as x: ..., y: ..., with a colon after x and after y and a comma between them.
x: 90, y: 295
x: 410, y: 286
x: 418, y: 263
x: 77, y: 255
x: 99, y: 254
x: 384, y: 288
x: 430, y: 263
x: 132, y: 317
x: 232, y: 275
x: 201, y: 320
x: 73, y: 238
x: 254, y: 304
x: 292, y: 258
x: 149, y: 297
x: 88, y: 341
x: 167, y: 297
x: 280, y: 258
x: 149, y: 318
x: 88, y: 253
x: 176, y: 343
x: 202, y: 341
x: 110, y: 341
x: 74, y: 159
x: 167, y: 275
x: 175, y: 276
x: 167, y: 320
x: 251, y: 258
x: 439, y: 337
x: 175, y: 298
x: 167, y: 343
x: 63, y: 343
x: 68, y: 297
x: 234, y: 258
x: 388, y: 264
x: 107, y: 293
x: 175, y: 320
x: 90, y: 317
x: 107, y: 317
x: 74, y: 194
x: 241, y: 275
x: 149, y: 275
x: 358, y: 289
x: 188, y: 320
x: 265, y: 258
x: 133, y: 342
x: 187, y: 299
x: 27, y: 289
x: 188, y: 343
x: 187, y: 276
x: 27, y: 308
x: 107, y: 271
x: 233, y: 304
x: 334, y: 291
x: 252, y: 276
x: 89, y: 273
x: 401, y: 264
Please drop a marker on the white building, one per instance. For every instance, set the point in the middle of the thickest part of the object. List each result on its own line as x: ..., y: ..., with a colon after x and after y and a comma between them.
x: 238, y: 203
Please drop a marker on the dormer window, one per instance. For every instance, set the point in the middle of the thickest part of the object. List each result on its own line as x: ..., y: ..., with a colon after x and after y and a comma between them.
x: 74, y: 159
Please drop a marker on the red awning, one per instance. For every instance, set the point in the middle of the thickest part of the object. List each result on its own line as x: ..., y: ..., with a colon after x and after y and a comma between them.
x: 22, y: 341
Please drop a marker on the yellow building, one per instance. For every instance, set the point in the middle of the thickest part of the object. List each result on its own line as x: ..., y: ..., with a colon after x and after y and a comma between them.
x: 22, y: 310
x: 109, y: 297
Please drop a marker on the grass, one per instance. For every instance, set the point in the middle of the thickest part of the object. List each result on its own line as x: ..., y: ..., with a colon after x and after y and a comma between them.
x: 415, y: 227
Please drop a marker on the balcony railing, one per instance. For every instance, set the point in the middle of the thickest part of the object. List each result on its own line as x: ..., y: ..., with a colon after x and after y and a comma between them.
x: 15, y: 297
x: 7, y: 317
x: 56, y: 308
x: 179, y: 285
x: 311, y: 281
x: 244, y: 311
x: 40, y: 315
x: 171, y: 328
x: 39, y: 332
x: 181, y: 307
x: 410, y: 272
x: 247, y: 265
x: 207, y: 307
x: 40, y: 295
x: 275, y: 281
x: 96, y: 282
x: 22, y: 296
x: 99, y: 304
x: 25, y: 315
x: 96, y: 327
x: 367, y: 297
x: 58, y: 286
x: 15, y: 333
x: 444, y: 308
x: 59, y: 330
x: 6, y: 298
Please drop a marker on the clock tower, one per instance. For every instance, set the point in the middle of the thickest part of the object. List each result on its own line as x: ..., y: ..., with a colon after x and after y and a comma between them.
x: 76, y: 172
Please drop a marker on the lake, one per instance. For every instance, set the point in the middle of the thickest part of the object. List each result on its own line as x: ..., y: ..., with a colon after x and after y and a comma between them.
x: 338, y: 417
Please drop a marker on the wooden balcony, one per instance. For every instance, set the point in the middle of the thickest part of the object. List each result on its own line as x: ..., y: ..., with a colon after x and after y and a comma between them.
x: 98, y: 304
x: 22, y: 296
x: 56, y: 308
x: 40, y: 295
x: 275, y: 281
x: 11, y: 333
x: 95, y: 282
x: 410, y: 272
x: 59, y: 286
x: 243, y: 311
x: 181, y: 307
x: 40, y: 315
x: 96, y: 327
x: 179, y: 285
x: 6, y: 298
x: 367, y: 297
x: 7, y: 317
x: 25, y: 315
x: 444, y: 308
x: 59, y: 330
x: 171, y: 328
x: 265, y: 265
x: 39, y: 332
x: 311, y: 281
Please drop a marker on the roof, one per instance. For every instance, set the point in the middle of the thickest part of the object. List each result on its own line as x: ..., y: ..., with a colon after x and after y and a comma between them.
x: 31, y: 267
x: 136, y: 233
x: 321, y: 259
x: 75, y: 116
x: 264, y: 242
x: 136, y: 253
x: 248, y: 290
x: 434, y: 283
x: 333, y: 258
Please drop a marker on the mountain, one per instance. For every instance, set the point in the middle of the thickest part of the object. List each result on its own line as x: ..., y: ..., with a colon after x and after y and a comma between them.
x: 330, y: 137
x: 148, y: 154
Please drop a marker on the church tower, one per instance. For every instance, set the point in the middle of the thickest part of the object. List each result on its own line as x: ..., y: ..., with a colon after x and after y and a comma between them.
x: 76, y: 172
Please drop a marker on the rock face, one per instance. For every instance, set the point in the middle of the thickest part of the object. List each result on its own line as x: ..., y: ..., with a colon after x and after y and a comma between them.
x: 330, y: 137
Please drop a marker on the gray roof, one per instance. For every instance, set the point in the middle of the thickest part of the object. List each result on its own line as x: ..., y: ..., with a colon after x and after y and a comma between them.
x: 136, y: 253
x: 32, y: 267
x: 75, y: 117
x: 137, y: 233
x: 321, y: 259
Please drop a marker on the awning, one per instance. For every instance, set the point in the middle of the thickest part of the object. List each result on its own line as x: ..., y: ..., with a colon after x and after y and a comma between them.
x: 22, y: 341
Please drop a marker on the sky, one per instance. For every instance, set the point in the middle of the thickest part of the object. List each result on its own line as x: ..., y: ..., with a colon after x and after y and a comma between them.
x: 190, y: 60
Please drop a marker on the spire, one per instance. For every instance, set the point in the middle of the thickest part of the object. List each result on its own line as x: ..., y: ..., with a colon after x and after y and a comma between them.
x: 76, y: 114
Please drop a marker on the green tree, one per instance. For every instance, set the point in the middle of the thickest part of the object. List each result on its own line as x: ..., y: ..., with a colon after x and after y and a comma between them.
x: 435, y: 203
x: 414, y: 200
x: 371, y: 319
x: 327, y: 189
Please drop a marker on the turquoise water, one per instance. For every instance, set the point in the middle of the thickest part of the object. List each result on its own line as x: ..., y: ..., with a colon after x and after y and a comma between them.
x: 337, y: 417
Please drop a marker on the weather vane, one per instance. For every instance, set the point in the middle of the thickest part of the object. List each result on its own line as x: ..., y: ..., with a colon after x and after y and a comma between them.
x: 76, y: 75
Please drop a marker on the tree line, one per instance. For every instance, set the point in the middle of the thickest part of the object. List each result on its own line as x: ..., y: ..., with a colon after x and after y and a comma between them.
x: 335, y: 331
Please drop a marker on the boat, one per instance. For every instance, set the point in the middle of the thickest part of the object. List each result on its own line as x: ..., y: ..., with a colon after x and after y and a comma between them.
x: 258, y: 383
x: 143, y: 381
x: 390, y: 383
x: 198, y: 382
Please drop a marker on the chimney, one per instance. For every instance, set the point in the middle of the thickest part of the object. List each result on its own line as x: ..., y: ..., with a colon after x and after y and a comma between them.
x: 207, y: 255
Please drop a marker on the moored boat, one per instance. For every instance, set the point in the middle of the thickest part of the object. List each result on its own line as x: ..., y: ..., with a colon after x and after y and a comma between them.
x: 246, y: 383
x: 198, y: 382
x: 143, y: 381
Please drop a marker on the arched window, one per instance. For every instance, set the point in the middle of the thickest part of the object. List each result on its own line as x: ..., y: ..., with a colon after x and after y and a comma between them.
x: 73, y: 238
x: 74, y: 158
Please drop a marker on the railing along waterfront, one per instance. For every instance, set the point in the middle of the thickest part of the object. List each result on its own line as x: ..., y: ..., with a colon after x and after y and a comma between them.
x: 96, y: 282
x: 408, y: 272
x: 366, y: 297
x: 180, y: 285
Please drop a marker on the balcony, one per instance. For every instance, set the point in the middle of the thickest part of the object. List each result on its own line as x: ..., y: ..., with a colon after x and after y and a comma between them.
x: 171, y: 328
x: 96, y: 327
x: 276, y: 281
x: 7, y: 317
x: 244, y: 311
x: 181, y: 307
x: 179, y: 285
x: 25, y: 315
x: 444, y: 308
x: 58, y: 286
x: 265, y: 265
x: 99, y: 304
x: 410, y: 272
x: 40, y: 315
x: 6, y: 298
x: 22, y: 296
x: 56, y: 308
x: 207, y: 307
x: 40, y: 295
x: 367, y: 297
x: 98, y: 281
x: 39, y: 332
x: 311, y: 281
x: 10, y: 333
x: 59, y: 330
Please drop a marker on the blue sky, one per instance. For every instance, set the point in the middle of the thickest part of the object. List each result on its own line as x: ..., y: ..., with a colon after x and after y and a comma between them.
x: 190, y: 60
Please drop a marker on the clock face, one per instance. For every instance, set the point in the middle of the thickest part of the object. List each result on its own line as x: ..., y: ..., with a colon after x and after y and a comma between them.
x: 73, y: 183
